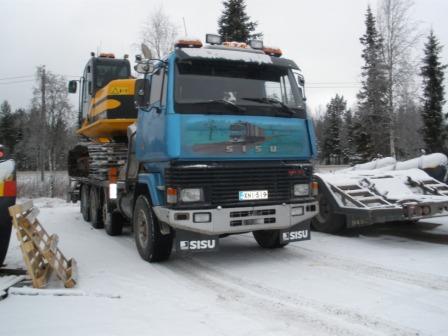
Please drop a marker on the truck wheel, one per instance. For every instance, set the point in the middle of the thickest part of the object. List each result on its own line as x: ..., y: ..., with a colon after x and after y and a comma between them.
x: 114, y: 223
x: 84, y: 203
x: 326, y: 220
x: 268, y: 239
x: 112, y: 219
x: 95, y: 209
x: 151, y: 244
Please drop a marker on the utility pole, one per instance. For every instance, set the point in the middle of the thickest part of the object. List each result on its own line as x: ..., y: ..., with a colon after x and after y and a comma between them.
x: 42, y: 128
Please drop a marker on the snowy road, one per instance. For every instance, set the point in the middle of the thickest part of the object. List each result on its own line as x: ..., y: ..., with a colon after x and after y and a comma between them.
x: 383, y: 280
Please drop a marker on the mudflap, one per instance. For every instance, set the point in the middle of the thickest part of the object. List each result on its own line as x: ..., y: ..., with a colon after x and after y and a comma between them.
x: 298, y: 232
x: 187, y: 241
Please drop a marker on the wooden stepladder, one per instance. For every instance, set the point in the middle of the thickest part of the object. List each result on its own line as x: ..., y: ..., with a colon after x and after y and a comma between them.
x: 39, y: 249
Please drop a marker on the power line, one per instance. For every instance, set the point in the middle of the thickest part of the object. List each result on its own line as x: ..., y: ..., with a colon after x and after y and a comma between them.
x: 17, y: 82
x: 16, y: 77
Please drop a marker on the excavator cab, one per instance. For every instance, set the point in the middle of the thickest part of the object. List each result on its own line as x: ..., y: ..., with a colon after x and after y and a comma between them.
x: 107, y: 69
x: 106, y: 98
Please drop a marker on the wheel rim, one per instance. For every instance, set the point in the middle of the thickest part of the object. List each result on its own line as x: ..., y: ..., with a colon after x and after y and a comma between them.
x: 142, y: 228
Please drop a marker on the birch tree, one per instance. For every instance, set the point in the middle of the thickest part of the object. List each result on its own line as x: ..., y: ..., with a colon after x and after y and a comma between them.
x: 159, y: 33
x: 399, y: 38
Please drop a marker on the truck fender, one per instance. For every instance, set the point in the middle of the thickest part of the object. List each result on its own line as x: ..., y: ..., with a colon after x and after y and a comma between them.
x: 149, y: 183
x: 152, y: 181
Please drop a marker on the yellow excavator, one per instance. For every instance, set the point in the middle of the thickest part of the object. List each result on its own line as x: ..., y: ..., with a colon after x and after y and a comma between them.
x: 106, y: 109
x: 106, y: 100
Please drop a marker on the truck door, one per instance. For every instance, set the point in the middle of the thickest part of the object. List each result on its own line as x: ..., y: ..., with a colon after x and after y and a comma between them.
x: 151, y: 123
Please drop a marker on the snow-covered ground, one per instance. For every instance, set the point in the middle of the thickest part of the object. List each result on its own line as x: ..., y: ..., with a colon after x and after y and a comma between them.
x: 382, y: 280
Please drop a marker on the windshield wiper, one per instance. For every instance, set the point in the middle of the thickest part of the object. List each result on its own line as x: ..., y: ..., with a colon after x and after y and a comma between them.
x: 272, y: 101
x: 222, y: 102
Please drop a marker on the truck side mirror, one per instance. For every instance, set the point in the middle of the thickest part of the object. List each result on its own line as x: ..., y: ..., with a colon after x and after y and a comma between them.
x: 142, y: 92
x: 144, y: 67
x: 72, y: 86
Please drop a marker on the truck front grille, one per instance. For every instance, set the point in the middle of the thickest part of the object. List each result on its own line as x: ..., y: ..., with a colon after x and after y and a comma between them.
x: 222, y: 183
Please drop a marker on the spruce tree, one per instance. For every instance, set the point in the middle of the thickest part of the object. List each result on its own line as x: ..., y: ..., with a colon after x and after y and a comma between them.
x: 432, y: 71
x: 372, y: 98
x: 332, y: 146
x: 7, y: 126
x: 348, y: 149
x: 362, y: 142
x: 234, y: 24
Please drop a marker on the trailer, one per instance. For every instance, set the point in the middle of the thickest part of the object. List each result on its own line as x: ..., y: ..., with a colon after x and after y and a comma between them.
x: 382, y: 191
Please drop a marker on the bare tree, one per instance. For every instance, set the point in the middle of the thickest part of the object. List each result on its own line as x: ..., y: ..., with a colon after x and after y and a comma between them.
x: 400, y: 37
x: 51, y: 132
x: 159, y: 32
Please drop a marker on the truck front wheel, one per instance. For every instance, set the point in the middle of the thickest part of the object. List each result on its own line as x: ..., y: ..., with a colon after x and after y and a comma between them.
x: 268, y: 239
x: 151, y: 244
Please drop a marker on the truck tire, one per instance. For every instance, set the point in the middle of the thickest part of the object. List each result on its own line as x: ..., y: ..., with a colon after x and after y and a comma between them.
x: 326, y: 220
x: 269, y: 239
x: 84, y: 203
x: 96, y: 218
x: 113, y: 223
x: 151, y: 244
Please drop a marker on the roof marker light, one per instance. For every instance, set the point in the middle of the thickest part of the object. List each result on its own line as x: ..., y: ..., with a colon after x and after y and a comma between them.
x: 234, y: 44
x: 272, y: 51
x: 107, y: 55
x: 188, y: 43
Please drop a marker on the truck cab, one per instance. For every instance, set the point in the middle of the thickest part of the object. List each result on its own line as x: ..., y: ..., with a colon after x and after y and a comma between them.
x: 222, y: 145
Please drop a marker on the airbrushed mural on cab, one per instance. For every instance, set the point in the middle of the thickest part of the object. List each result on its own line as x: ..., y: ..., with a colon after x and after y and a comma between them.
x: 240, y: 138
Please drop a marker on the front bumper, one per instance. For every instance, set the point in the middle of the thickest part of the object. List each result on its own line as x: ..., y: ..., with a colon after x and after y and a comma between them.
x: 237, y: 220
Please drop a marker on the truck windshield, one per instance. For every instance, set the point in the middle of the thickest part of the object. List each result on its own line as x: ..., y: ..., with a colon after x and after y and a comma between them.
x: 229, y: 87
x: 108, y: 70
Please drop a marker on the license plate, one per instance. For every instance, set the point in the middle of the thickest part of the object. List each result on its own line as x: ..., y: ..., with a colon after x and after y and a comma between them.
x: 253, y: 195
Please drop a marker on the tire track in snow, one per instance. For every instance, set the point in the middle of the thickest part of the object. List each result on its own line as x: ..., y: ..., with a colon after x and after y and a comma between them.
x: 366, y: 269
x: 328, y: 318
x: 424, y: 280
x: 249, y: 303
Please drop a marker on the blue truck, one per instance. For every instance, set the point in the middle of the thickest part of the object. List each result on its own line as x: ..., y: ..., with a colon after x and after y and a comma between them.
x: 219, y: 143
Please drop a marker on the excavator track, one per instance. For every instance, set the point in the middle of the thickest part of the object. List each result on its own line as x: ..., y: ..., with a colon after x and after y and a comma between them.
x: 105, y: 156
x: 93, y: 160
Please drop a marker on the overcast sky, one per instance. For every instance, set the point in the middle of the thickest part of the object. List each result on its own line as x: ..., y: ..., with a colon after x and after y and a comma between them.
x: 322, y: 36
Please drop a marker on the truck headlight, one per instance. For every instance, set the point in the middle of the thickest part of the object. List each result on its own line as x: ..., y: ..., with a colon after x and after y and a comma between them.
x: 301, y: 189
x: 189, y: 195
